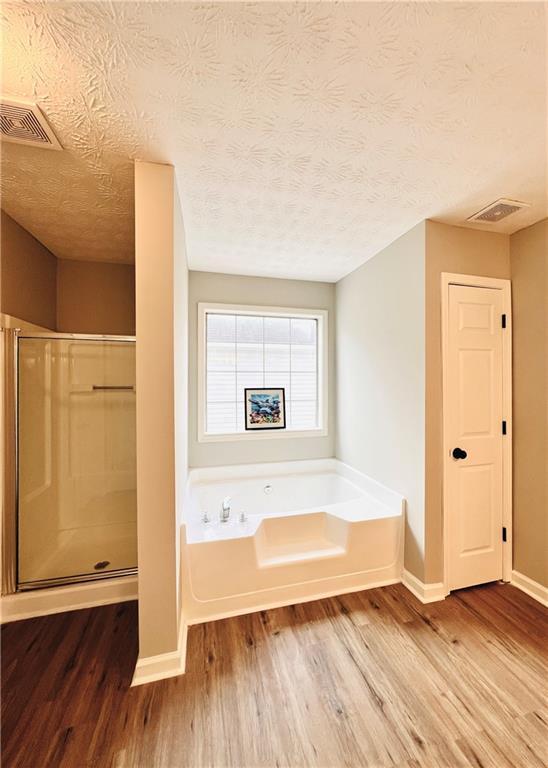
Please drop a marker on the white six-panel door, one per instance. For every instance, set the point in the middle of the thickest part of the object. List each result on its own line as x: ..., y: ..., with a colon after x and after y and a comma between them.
x: 474, y: 436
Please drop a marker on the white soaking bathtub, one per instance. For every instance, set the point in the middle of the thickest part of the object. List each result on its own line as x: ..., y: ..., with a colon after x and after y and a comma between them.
x: 310, y: 529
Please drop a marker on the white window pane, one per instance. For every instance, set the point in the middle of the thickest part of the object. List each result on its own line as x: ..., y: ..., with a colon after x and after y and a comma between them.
x: 277, y: 380
x: 221, y: 417
x: 249, y: 329
x: 249, y: 357
x: 244, y: 351
x: 303, y: 357
x: 248, y: 379
x: 303, y: 414
x: 277, y: 330
x: 221, y: 357
x: 303, y: 386
x: 221, y: 327
x: 303, y: 331
x: 276, y: 357
x: 221, y: 387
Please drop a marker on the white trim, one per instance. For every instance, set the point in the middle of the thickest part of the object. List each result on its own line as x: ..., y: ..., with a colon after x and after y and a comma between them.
x: 447, y: 279
x: 321, y: 315
x: 42, y: 602
x: 426, y: 593
x: 532, y: 588
x: 233, y: 437
x: 172, y: 664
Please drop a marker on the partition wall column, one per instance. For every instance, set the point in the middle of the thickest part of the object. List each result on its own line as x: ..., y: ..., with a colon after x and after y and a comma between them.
x: 156, y: 514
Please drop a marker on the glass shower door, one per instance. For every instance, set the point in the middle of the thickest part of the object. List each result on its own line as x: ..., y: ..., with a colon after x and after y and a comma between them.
x: 76, y: 459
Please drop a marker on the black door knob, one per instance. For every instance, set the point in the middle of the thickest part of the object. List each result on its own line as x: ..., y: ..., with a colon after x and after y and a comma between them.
x: 458, y: 453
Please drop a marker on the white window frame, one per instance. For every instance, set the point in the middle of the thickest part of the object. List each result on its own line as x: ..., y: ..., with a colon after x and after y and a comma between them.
x: 321, y: 315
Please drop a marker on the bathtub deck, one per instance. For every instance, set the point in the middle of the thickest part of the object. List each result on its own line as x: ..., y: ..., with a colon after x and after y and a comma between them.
x: 369, y: 679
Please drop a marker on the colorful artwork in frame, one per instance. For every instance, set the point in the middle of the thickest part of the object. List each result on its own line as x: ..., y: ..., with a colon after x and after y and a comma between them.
x: 264, y: 408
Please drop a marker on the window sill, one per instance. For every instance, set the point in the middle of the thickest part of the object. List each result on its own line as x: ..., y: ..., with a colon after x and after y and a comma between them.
x: 267, y: 434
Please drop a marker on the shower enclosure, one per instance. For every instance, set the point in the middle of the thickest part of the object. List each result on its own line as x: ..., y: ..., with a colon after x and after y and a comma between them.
x: 75, y: 510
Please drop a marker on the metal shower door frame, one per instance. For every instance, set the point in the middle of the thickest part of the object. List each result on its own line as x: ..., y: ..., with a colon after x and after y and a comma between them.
x: 10, y: 501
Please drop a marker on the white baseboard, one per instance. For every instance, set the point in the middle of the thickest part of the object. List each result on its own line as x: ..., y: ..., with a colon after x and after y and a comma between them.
x: 530, y: 587
x: 41, y: 602
x: 151, y: 668
x: 426, y: 593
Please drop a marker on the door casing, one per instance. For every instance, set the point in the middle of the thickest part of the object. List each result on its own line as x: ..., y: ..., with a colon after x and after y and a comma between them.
x: 475, y: 281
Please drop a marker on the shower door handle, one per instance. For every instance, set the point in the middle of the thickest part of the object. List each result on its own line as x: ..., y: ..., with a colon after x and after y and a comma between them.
x: 113, y: 388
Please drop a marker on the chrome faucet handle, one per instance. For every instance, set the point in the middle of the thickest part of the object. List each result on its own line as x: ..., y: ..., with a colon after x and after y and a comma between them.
x: 225, y: 509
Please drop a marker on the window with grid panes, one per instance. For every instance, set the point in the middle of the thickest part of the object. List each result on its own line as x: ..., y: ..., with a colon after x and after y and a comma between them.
x: 244, y: 350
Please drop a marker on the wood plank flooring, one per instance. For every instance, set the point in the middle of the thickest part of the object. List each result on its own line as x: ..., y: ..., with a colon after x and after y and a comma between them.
x: 373, y: 679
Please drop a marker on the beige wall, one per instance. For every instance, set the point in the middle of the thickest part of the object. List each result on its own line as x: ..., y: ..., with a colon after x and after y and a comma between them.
x: 261, y: 291
x: 388, y: 331
x: 95, y: 297
x: 160, y: 260
x: 27, y: 276
x: 464, y: 251
x: 380, y: 377
x: 62, y: 295
x: 529, y: 269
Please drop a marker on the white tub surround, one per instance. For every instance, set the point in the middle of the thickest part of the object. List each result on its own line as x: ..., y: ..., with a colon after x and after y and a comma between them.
x: 311, y: 529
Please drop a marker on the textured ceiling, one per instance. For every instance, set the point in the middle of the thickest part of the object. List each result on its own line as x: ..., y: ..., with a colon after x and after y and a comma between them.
x: 305, y: 136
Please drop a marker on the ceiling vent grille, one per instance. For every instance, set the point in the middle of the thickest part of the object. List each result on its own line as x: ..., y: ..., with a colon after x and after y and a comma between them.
x: 495, y: 212
x: 24, y: 123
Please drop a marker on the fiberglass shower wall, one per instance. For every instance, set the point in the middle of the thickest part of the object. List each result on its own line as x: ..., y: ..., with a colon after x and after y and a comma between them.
x: 76, y: 459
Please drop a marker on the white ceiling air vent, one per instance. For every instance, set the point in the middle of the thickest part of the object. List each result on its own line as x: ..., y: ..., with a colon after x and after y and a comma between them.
x: 23, y: 123
x: 495, y: 212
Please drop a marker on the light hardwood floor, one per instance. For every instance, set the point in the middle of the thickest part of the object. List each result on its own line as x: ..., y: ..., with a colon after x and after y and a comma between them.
x: 369, y: 679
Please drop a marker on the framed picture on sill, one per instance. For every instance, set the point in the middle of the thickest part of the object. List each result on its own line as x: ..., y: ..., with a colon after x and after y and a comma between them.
x: 264, y: 408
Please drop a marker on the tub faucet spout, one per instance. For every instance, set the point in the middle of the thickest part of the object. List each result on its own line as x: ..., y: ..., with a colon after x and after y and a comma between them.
x: 225, y: 509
